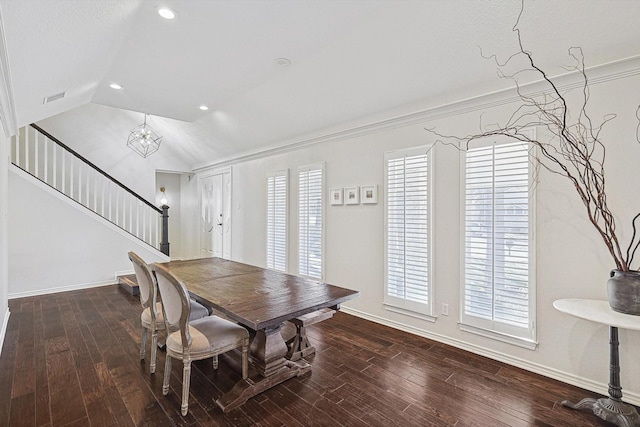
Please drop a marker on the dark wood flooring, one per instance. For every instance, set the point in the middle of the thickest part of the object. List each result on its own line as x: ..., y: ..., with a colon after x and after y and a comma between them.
x: 72, y: 359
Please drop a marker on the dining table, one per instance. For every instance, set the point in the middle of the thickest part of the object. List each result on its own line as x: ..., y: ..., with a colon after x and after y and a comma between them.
x: 262, y: 300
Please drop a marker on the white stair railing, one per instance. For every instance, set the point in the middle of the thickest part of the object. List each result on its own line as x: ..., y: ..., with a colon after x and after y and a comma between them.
x: 52, y: 162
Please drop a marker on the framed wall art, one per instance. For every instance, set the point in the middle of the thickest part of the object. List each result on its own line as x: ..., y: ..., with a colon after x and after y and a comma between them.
x: 369, y: 194
x: 351, y: 196
x: 335, y: 196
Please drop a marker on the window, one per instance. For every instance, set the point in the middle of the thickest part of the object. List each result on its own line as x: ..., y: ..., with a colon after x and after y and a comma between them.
x: 310, y: 221
x: 498, y: 287
x: 277, y: 220
x: 407, y: 235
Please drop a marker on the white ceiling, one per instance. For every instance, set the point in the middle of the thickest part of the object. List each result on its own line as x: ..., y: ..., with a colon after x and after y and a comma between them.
x: 352, y: 61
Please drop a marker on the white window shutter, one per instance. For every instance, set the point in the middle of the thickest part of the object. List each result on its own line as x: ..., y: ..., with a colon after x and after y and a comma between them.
x: 310, y: 221
x: 497, y: 239
x: 277, y: 191
x: 407, y: 230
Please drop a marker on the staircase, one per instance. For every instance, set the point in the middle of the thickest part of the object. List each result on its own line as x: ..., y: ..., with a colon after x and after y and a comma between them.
x: 49, y: 160
x: 129, y: 283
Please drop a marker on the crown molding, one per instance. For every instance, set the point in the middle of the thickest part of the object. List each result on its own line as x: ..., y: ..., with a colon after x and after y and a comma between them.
x: 621, y: 69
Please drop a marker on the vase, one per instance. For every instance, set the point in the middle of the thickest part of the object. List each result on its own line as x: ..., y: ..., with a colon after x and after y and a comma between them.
x: 623, y: 290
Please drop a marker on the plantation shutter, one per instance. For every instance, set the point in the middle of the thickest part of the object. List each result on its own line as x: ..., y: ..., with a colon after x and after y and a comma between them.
x: 310, y: 221
x: 277, y: 220
x: 497, y: 234
x: 407, y: 230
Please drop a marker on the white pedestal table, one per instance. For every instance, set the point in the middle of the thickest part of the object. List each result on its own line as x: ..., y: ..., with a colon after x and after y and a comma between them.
x: 611, y: 408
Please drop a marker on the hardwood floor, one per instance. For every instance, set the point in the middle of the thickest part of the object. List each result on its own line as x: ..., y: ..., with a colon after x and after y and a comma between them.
x: 72, y: 359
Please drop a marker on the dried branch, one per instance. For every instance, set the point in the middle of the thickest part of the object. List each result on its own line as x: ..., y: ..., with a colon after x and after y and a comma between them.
x: 574, y: 150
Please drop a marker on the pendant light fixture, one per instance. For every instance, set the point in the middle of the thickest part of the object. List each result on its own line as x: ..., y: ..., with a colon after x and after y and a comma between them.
x: 144, y: 140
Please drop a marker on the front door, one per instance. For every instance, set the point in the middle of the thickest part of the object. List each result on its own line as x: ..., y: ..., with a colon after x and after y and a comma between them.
x: 215, y: 215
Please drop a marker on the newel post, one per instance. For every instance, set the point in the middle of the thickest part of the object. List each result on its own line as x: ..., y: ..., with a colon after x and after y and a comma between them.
x: 164, y: 243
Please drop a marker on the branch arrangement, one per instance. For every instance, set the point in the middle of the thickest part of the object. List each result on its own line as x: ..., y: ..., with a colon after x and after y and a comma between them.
x: 574, y: 149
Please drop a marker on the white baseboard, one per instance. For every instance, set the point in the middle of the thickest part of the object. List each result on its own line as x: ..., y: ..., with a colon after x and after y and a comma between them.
x: 3, y: 331
x: 565, y: 377
x: 61, y: 289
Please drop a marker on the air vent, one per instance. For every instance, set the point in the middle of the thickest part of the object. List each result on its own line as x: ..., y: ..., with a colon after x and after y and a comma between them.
x: 55, y: 97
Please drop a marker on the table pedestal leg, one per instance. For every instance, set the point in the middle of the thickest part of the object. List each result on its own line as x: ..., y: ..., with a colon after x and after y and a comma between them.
x: 268, y: 350
x: 267, y: 356
x: 611, y: 409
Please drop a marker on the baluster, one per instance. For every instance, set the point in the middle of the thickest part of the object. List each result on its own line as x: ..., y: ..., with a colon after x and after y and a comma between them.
x: 80, y: 181
x: 71, y: 173
x: 110, y: 200
x: 54, y: 166
x: 63, y: 171
x: 130, y: 214
x: 95, y: 191
x: 144, y: 224
x: 86, y: 185
x: 152, y: 228
x: 157, y: 230
x: 26, y: 151
x: 102, y: 185
x: 35, y: 154
x: 117, y: 205
x: 138, y: 219
x: 123, y: 210
x: 46, y: 160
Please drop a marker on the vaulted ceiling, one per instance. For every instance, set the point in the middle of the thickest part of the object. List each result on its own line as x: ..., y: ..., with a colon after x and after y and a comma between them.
x: 348, y: 61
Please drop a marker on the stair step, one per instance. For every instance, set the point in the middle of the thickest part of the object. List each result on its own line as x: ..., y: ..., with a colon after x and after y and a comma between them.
x: 129, y: 283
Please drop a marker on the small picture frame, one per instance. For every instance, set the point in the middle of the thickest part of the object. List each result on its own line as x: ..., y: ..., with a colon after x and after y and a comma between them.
x: 335, y: 196
x: 351, y: 196
x: 369, y: 194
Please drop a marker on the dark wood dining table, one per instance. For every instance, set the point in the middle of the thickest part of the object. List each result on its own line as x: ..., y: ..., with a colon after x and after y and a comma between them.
x: 261, y: 300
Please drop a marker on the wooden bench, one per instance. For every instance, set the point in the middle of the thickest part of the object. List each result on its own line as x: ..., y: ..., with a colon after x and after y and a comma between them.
x: 295, y: 335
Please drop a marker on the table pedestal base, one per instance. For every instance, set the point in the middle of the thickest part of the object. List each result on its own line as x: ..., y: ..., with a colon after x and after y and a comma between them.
x: 246, y: 389
x: 268, y: 352
x: 613, y: 411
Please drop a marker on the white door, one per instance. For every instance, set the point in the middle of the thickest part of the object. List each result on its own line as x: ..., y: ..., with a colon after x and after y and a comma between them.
x: 215, y: 215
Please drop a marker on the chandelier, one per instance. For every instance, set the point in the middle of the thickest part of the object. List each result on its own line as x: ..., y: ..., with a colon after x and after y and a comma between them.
x: 144, y: 140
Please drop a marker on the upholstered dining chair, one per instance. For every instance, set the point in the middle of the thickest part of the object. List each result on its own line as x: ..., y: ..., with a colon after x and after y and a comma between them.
x: 151, y: 317
x: 194, y: 340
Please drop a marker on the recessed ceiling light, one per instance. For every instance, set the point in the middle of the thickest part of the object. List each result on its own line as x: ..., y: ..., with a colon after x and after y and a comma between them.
x: 204, y: 107
x: 166, y: 13
x: 115, y: 86
x: 283, y: 62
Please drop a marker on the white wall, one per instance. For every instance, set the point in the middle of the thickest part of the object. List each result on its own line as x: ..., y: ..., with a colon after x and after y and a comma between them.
x: 4, y: 257
x: 572, y: 261
x: 189, y: 217
x: 56, y: 244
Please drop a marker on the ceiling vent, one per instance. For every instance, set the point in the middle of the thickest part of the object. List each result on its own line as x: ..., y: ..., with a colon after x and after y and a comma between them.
x: 55, y: 97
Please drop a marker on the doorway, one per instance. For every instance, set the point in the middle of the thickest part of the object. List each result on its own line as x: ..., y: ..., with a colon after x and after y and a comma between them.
x: 215, y: 214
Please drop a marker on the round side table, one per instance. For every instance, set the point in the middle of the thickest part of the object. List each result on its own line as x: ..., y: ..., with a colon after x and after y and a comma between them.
x: 611, y: 408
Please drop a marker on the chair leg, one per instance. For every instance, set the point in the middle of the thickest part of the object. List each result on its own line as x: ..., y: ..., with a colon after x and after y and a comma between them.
x: 154, y: 350
x: 167, y: 375
x: 143, y: 344
x: 186, y: 380
x: 245, y: 359
x: 215, y: 362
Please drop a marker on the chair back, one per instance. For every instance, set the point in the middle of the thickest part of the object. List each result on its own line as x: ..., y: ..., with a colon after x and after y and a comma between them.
x: 176, y: 305
x: 146, y: 284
